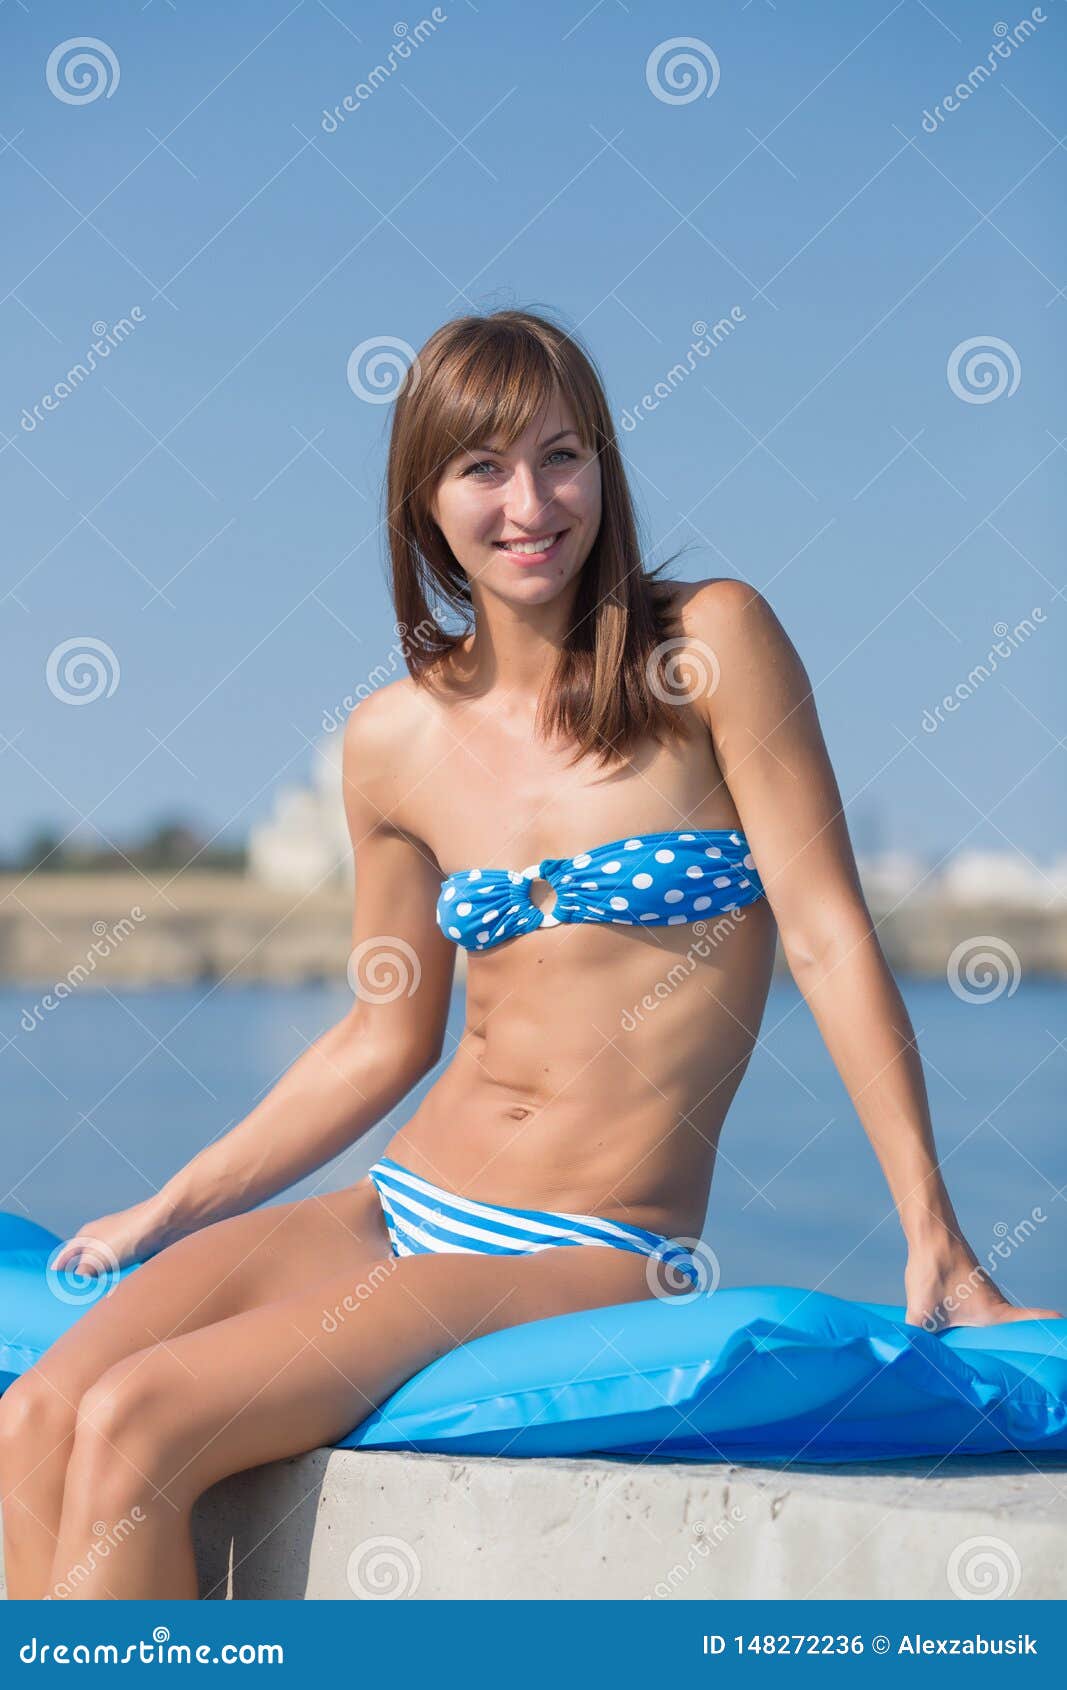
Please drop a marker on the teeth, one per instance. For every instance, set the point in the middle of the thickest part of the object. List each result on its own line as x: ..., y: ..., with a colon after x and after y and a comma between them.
x: 527, y: 548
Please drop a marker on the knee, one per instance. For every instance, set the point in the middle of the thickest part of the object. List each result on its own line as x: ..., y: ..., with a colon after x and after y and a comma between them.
x: 34, y: 1413
x: 124, y: 1423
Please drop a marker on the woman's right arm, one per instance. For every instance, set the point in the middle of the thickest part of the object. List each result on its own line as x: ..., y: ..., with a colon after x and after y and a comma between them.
x: 401, y: 968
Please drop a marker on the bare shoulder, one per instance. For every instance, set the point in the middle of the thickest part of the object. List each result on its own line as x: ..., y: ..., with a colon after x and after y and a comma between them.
x: 738, y: 624
x: 721, y: 605
x: 378, y: 723
x: 379, y: 736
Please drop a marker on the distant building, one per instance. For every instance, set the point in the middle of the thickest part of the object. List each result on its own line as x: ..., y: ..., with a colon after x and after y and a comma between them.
x: 892, y: 876
x: 1057, y: 875
x: 1004, y: 878
x: 305, y: 844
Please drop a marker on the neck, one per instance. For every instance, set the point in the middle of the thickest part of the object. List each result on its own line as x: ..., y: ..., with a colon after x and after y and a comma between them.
x: 515, y: 646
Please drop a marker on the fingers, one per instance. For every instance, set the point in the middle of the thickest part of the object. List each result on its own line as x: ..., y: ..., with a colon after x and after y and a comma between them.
x: 1011, y: 1313
x: 939, y: 1320
x: 73, y: 1258
x: 1008, y: 1313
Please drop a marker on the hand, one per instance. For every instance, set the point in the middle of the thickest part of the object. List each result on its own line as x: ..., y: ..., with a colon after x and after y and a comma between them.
x: 105, y: 1245
x: 946, y: 1287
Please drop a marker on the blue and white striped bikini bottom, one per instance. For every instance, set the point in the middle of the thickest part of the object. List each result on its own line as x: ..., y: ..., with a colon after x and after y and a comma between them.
x: 423, y: 1218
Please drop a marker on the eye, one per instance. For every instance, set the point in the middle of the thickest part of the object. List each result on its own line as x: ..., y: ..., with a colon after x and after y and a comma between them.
x: 487, y: 463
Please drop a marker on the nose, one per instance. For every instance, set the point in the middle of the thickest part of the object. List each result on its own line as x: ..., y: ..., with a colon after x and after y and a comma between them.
x: 526, y: 498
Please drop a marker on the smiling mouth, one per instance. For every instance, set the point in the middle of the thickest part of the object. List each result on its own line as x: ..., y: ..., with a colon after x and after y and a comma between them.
x: 530, y: 548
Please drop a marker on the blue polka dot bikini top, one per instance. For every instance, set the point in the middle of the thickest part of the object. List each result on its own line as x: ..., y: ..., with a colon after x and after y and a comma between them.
x: 658, y: 879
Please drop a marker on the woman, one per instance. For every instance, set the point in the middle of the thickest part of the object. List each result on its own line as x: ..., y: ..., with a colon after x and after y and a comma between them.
x: 599, y: 772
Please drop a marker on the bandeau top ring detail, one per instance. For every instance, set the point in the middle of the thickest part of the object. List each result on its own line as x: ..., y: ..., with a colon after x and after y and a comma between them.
x: 650, y: 879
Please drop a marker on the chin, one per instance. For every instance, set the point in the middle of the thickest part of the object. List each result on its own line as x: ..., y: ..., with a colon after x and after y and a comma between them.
x: 537, y: 588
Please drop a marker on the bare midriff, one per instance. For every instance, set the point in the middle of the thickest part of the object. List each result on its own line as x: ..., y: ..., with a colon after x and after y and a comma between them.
x: 595, y: 1068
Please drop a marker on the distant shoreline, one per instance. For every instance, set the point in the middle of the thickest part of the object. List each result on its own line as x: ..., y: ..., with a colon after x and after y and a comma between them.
x: 71, y: 932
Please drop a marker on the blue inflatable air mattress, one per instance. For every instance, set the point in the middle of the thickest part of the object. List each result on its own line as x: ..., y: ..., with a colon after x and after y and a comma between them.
x: 765, y: 1373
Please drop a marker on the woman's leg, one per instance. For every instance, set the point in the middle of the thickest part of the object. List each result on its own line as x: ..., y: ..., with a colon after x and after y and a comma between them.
x: 158, y: 1428
x: 224, y: 1269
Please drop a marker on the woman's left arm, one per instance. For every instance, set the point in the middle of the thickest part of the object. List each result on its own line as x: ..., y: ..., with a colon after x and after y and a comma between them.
x: 771, y: 751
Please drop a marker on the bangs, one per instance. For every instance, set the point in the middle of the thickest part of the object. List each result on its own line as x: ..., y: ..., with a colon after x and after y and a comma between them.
x: 497, y: 388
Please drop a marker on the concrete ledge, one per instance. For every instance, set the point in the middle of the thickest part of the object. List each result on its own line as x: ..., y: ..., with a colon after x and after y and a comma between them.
x: 348, y: 1524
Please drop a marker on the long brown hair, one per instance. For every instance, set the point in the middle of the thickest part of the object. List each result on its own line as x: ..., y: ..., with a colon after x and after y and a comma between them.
x: 488, y: 377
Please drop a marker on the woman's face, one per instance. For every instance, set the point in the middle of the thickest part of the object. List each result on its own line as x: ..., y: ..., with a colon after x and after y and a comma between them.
x: 492, y: 506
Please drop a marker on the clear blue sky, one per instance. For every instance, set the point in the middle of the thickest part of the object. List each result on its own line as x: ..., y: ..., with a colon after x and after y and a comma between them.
x: 208, y: 501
